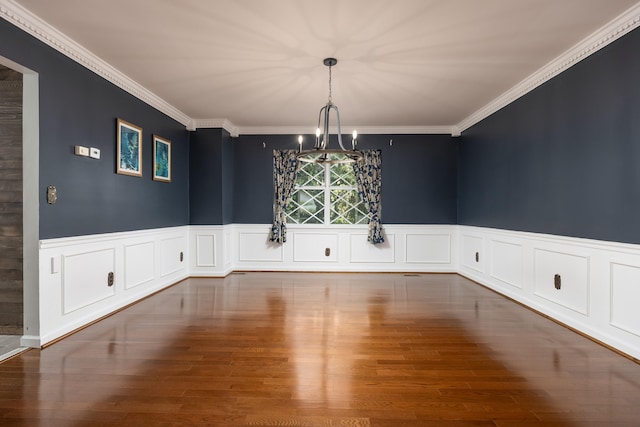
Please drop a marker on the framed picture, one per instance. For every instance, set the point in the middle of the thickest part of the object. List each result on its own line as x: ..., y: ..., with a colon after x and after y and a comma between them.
x: 161, y: 159
x: 129, y: 155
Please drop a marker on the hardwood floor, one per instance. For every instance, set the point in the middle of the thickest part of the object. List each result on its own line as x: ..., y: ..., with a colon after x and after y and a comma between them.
x: 301, y: 349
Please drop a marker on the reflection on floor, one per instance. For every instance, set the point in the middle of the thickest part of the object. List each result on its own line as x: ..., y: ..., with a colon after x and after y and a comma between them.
x: 307, y: 349
x: 10, y: 346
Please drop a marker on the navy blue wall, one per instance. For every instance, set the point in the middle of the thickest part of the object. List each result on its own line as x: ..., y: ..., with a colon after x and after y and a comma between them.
x: 419, y: 177
x: 253, y: 176
x: 565, y: 158
x: 227, y: 178
x: 79, y: 108
x: 561, y: 160
x: 211, y: 177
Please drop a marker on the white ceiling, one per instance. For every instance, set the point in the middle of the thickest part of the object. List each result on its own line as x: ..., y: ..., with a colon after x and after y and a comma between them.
x: 258, y: 63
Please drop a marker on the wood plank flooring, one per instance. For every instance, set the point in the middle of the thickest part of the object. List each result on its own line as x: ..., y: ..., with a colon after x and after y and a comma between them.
x: 302, y: 349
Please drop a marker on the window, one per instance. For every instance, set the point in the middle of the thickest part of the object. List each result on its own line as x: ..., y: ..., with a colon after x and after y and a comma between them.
x: 326, y: 194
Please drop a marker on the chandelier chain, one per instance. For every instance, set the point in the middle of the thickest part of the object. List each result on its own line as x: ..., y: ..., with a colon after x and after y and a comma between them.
x: 330, y: 99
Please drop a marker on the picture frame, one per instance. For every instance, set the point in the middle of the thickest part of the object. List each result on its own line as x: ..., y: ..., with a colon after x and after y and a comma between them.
x: 129, y: 149
x: 161, y: 159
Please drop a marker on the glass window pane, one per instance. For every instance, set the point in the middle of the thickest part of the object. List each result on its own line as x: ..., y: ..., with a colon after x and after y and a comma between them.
x: 310, y: 175
x: 306, y: 207
x: 341, y: 174
x: 307, y: 203
x: 347, y: 208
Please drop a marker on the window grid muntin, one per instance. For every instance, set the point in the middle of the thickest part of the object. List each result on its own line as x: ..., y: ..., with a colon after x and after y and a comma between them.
x: 332, y: 173
x: 301, y: 206
x: 355, y: 213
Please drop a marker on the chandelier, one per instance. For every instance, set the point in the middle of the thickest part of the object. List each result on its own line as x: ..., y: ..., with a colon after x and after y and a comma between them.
x: 321, y: 151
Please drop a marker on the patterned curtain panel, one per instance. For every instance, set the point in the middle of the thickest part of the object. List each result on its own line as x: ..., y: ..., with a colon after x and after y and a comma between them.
x: 285, y: 171
x: 369, y: 181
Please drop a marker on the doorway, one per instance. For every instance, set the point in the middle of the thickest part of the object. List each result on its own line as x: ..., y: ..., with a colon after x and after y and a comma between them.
x: 19, y: 139
x: 11, y: 224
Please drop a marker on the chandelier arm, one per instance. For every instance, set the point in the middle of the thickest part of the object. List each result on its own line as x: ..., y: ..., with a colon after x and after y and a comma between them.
x: 326, y: 135
x: 318, y: 145
x: 339, y: 127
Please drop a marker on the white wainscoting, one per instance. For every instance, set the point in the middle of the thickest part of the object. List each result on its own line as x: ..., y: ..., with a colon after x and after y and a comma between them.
x: 599, y: 282
x: 407, y: 248
x: 572, y: 273
x: 625, y: 296
x: 421, y: 248
x: 84, y: 275
x: 212, y: 249
x: 506, y: 263
x: 139, y: 263
x: 74, y: 274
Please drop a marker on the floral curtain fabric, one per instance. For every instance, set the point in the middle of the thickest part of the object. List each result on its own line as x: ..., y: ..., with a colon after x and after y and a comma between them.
x: 369, y: 182
x: 285, y: 171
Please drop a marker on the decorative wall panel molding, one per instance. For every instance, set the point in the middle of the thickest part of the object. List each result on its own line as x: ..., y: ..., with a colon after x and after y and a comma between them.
x: 85, y: 278
x: 211, y: 250
x: 139, y: 264
x: 228, y: 249
x: 172, y: 252
x: 473, y: 255
x: 306, y: 249
x: 256, y: 247
x: 589, y: 285
x: 74, y: 272
x: 625, y: 296
x: 428, y: 248
x: 506, y: 262
x: 315, y: 247
x: 205, y: 250
x: 597, y: 294
x: 361, y: 251
x: 562, y: 278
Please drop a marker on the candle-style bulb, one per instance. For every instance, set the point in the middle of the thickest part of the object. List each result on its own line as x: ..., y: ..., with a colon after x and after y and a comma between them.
x: 354, y: 138
x: 300, y: 141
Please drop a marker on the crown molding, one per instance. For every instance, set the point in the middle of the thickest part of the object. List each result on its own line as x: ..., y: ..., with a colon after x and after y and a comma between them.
x: 362, y: 130
x: 615, y: 29
x: 31, y: 24
x: 216, y: 123
x: 299, y: 130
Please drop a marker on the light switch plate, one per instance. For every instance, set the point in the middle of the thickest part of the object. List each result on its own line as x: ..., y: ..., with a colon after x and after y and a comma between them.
x: 94, y: 153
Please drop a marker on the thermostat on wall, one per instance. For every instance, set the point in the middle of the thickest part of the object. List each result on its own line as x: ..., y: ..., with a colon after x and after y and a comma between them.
x: 81, y: 151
